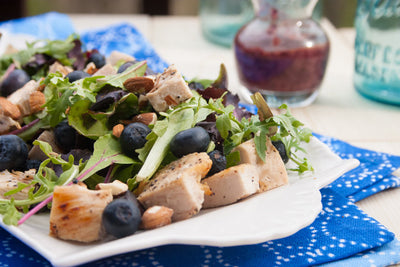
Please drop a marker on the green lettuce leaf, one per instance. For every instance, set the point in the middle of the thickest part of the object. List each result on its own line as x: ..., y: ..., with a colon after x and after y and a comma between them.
x: 107, y: 151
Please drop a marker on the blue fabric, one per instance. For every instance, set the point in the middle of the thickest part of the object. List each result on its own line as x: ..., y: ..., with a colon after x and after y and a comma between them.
x: 373, y: 175
x: 51, y: 26
x: 341, y: 235
x: 385, y: 255
x: 127, y: 39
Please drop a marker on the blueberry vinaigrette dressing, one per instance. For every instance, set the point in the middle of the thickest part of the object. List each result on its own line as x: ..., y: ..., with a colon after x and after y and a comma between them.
x: 282, y: 53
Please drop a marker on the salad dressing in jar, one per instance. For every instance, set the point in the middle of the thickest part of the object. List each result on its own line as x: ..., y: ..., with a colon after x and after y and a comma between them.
x: 283, y: 52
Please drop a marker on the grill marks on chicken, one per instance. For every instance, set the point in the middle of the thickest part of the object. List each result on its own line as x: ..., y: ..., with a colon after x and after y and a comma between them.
x: 76, y: 213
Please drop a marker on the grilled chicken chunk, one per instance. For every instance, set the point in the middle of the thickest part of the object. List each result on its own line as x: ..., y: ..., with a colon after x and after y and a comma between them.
x: 58, y: 67
x: 117, y: 56
x: 231, y: 185
x: 177, y: 186
x: 7, y: 124
x: 272, y: 172
x: 76, y: 213
x: 170, y: 89
x: 22, y: 95
x: 10, y: 180
x: 107, y: 69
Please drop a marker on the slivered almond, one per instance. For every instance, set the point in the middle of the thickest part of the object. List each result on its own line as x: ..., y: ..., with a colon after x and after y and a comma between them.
x: 146, y: 118
x: 9, y: 109
x: 36, y: 101
x: 170, y: 101
x: 156, y: 216
x: 140, y: 85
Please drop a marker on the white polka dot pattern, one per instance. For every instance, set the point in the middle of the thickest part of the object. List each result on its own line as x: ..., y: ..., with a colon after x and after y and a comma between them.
x: 130, y: 41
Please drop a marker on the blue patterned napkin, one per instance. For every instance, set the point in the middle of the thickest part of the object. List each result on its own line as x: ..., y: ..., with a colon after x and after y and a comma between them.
x: 341, y: 235
x: 376, y: 174
x: 51, y: 26
x: 127, y: 39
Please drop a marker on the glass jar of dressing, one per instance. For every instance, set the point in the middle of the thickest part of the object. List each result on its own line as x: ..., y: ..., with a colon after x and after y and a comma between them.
x: 282, y: 53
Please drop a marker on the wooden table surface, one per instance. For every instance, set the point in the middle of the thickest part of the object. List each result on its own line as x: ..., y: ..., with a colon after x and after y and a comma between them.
x: 339, y: 110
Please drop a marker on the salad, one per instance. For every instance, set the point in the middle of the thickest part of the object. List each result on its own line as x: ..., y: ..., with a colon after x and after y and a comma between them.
x: 108, y: 146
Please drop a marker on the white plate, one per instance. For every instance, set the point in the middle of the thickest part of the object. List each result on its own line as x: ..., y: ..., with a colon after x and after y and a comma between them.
x: 274, y: 214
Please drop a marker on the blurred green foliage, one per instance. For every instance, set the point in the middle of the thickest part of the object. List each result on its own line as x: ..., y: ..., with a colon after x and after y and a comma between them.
x: 340, y: 12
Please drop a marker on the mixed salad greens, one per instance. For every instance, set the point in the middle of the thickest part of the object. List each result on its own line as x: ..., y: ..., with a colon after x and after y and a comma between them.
x: 212, y: 107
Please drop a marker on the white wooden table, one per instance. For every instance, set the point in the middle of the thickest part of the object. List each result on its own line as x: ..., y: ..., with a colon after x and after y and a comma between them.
x: 339, y: 111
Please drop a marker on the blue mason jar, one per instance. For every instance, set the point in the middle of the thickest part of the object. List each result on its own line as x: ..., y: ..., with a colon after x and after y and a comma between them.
x: 377, y: 50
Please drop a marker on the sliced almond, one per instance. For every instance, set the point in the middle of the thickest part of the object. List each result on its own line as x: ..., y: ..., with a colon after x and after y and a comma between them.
x: 36, y: 101
x: 170, y: 100
x: 139, y: 85
x: 117, y: 187
x: 146, y: 118
x: 155, y: 217
x: 9, y: 109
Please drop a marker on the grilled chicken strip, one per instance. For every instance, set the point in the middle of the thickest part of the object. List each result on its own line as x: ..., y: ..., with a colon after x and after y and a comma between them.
x: 76, y: 212
x: 177, y: 186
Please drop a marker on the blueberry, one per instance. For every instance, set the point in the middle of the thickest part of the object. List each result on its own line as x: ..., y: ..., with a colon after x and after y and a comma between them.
x: 65, y: 136
x: 218, y: 162
x: 133, y: 137
x: 128, y: 195
x: 76, y: 75
x: 13, y: 153
x: 189, y: 141
x: 280, y: 146
x: 121, y: 218
x: 14, y: 81
x: 98, y: 59
x: 126, y: 65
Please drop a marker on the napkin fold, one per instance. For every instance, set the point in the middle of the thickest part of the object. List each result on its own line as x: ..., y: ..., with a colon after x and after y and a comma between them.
x: 341, y: 235
x: 372, y: 176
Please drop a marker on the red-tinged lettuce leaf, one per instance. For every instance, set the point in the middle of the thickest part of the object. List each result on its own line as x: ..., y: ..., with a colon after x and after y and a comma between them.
x: 77, y: 56
x: 107, y: 151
